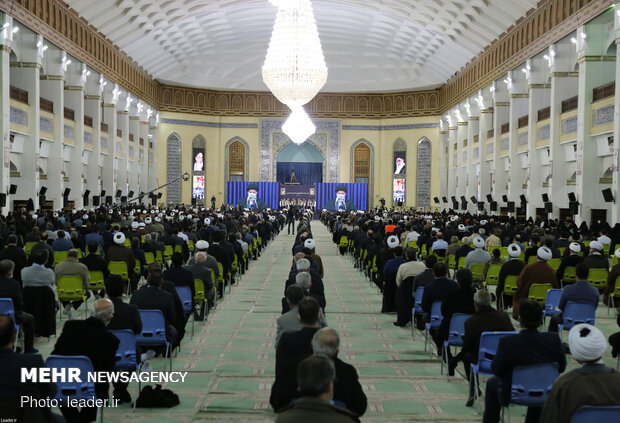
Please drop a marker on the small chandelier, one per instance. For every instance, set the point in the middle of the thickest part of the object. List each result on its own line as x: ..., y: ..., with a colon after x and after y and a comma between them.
x: 294, y: 68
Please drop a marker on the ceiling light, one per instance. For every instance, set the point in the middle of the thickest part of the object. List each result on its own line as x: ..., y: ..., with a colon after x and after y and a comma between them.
x: 298, y: 126
x: 294, y: 68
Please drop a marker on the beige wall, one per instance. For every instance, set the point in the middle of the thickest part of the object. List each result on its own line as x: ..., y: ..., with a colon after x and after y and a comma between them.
x: 382, y: 142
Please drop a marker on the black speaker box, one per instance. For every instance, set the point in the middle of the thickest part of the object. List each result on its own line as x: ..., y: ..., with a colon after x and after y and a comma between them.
x: 118, y: 193
x: 130, y: 195
x: 474, y: 200
x: 510, y: 206
x: 505, y: 198
x: 67, y: 192
x: 96, y: 200
x: 549, y: 207
x: 523, y: 199
x: 493, y: 206
x: 571, y: 197
x: 444, y: 199
x: 108, y: 199
x: 481, y: 206
x: 489, y: 198
x: 2, y: 200
x: 42, y: 191
x: 123, y: 199
x: 436, y: 200
x: 545, y: 198
x: 13, y: 189
x: 608, y: 196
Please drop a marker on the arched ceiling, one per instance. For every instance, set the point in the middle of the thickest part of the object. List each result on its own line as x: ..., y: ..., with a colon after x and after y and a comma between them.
x: 369, y: 45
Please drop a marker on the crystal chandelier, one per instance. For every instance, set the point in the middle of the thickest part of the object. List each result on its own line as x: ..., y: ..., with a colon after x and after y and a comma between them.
x: 294, y: 68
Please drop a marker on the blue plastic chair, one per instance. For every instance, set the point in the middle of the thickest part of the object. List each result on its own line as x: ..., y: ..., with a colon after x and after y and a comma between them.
x: 185, y: 294
x: 417, y: 308
x: 434, y: 322
x: 126, y: 354
x: 6, y: 307
x: 83, y: 389
x: 154, y: 332
x: 455, y: 335
x: 576, y: 313
x: 531, y: 384
x: 600, y: 413
x: 486, y: 353
x: 551, y: 303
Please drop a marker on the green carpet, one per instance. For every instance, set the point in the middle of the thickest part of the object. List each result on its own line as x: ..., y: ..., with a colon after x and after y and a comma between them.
x: 231, y: 357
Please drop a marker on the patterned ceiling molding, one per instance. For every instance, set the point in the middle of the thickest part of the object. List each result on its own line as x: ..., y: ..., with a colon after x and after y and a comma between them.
x: 389, y: 127
x: 324, y: 105
x: 209, y: 124
x: 551, y: 21
x: 541, y: 27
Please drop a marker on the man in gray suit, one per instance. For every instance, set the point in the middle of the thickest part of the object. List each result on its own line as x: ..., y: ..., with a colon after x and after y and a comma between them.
x: 200, y: 271
x: 289, y: 321
x: 38, y: 274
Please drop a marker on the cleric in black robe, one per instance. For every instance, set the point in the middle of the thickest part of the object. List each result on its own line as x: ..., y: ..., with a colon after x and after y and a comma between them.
x: 252, y: 201
x: 340, y: 202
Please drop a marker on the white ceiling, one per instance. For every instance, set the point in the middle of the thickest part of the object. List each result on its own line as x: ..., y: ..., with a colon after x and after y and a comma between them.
x: 369, y: 45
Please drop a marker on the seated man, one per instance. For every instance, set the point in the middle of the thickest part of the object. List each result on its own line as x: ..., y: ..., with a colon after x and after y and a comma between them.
x: 294, y: 345
x: 126, y: 316
x: 9, y: 288
x: 289, y: 321
x: 93, y: 261
x: 90, y: 338
x: 62, y: 243
x: 571, y: 259
x: 531, y: 274
x: 177, y: 274
x: 315, y: 378
x: 579, y: 292
x: 486, y: 319
x: 11, y: 386
x: 479, y: 255
x: 512, y: 267
x: 592, y: 384
x: 199, y: 270
x: 152, y: 297
x: 436, y: 290
x: 72, y: 267
x: 527, y: 347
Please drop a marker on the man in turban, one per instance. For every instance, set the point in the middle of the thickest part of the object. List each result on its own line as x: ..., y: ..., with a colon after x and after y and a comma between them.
x: 592, y: 384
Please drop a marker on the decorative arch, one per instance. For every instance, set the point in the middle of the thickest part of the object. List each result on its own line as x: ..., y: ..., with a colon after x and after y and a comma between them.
x: 423, y: 173
x: 362, y: 168
x: 173, y: 168
x: 236, y: 158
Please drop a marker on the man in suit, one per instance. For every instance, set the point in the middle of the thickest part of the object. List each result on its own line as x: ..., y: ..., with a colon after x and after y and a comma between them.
x: 596, y: 259
x: 178, y: 275
x: 527, y: 347
x: 94, y: 262
x: 316, y: 376
x: 221, y: 255
x: 152, y: 297
x: 43, y: 245
x: 62, y: 243
x: 200, y: 270
x: 340, y: 202
x: 90, y: 338
x: 252, y: 201
x: 38, y: 274
x: 294, y: 345
x: 579, y: 292
x: 289, y: 321
x: 9, y: 288
x: 72, y: 267
x: 486, y: 319
x: 16, y: 254
x: 436, y: 290
x: 126, y: 316
x: 11, y: 386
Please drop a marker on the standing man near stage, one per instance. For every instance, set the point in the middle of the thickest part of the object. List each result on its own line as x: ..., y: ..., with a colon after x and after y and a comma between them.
x: 291, y: 216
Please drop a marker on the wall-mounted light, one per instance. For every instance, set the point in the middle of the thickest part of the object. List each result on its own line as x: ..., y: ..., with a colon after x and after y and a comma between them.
x: 573, y: 40
x: 15, y: 30
x: 6, y: 25
x: 583, y: 35
x: 44, y: 48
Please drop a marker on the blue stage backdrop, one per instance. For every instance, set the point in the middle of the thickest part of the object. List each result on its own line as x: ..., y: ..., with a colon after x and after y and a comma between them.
x: 267, y: 191
x: 356, y: 193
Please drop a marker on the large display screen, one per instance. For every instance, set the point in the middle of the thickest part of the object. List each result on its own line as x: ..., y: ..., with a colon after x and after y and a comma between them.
x: 335, y: 196
x: 240, y: 194
x: 399, y: 191
x: 199, y: 159
x: 400, y: 165
x: 198, y: 187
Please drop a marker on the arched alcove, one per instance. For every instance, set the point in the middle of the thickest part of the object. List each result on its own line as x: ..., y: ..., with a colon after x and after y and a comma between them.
x: 304, y: 161
x: 236, y: 160
x: 363, y: 166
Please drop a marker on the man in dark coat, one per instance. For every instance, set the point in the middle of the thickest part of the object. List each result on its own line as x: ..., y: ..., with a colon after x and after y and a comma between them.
x: 340, y: 202
x: 512, y: 267
x: 486, y: 319
x: 16, y: 254
x: 572, y: 259
x: 221, y: 255
x: 90, y: 338
x: 118, y: 252
x: 252, y: 201
x: 347, y: 389
x: 9, y: 288
x: 11, y: 386
x: 537, y: 272
x: 436, y: 290
x: 527, y: 347
x: 43, y: 245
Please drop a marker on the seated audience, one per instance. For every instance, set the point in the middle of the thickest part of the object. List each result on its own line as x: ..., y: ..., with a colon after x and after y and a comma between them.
x: 16, y: 254
x: 200, y: 270
x: 531, y: 274
x: 436, y: 290
x: 571, y: 259
x: 293, y: 345
x: 479, y: 255
x: 62, y: 243
x: 512, y: 267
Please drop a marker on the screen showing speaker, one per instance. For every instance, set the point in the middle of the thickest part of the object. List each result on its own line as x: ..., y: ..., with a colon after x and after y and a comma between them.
x: 198, y: 187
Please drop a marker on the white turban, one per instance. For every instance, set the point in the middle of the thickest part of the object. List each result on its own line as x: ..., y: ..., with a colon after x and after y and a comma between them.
x: 392, y: 241
x: 544, y: 253
x: 514, y: 250
x: 574, y: 247
x: 310, y: 244
x: 595, y: 245
x: 478, y: 242
x: 586, y: 342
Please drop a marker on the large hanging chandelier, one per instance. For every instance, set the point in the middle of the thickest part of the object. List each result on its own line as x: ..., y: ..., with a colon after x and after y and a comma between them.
x: 294, y: 68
